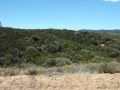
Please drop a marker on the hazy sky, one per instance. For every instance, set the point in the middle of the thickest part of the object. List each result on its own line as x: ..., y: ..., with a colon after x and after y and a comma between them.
x: 62, y: 14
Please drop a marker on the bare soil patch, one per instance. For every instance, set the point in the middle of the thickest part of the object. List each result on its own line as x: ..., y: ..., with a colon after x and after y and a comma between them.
x: 61, y: 82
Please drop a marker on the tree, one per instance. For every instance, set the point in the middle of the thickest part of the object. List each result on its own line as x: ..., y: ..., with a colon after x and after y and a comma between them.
x: 32, y: 53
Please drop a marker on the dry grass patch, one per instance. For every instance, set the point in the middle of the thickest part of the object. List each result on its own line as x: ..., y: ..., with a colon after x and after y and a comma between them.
x: 82, y: 68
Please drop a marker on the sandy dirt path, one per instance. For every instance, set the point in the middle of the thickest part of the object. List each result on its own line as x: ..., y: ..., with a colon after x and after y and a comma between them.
x: 63, y: 82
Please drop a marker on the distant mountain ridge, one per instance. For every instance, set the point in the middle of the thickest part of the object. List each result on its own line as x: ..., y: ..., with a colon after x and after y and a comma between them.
x: 107, y: 31
x: 114, y: 31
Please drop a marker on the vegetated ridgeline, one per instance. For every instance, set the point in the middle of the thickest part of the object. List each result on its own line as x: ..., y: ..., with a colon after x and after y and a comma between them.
x: 53, y: 47
x: 64, y: 82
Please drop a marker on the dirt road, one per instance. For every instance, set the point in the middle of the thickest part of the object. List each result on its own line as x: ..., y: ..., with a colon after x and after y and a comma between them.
x: 63, y: 82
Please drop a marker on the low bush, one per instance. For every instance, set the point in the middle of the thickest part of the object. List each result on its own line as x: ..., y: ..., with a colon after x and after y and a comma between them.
x: 9, y: 71
x: 63, y: 61
x: 57, y: 62
x: 81, y: 68
x: 30, y: 71
x: 112, y: 67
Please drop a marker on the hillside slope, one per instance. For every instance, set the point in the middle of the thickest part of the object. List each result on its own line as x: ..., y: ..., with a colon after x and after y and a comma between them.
x: 54, y: 47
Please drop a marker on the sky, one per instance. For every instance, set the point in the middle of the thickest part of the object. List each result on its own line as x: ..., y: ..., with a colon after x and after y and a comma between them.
x: 60, y: 14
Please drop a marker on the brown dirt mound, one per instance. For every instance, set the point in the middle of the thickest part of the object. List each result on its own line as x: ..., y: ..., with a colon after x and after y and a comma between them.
x: 63, y: 82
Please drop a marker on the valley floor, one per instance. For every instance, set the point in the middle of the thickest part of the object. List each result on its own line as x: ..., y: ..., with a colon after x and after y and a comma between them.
x: 61, y: 82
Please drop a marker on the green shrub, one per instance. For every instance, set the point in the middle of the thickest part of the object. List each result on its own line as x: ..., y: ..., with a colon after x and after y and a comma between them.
x: 32, y: 51
x: 77, y: 58
x: 97, y: 59
x: 85, y: 51
x: 11, y: 71
x: 115, y: 53
x: 50, y: 62
x: 2, y: 60
x: 64, y: 55
x: 63, y: 61
x: 57, y: 62
x: 30, y: 70
x: 106, y: 69
x: 112, y: 67
x: 8, y: 57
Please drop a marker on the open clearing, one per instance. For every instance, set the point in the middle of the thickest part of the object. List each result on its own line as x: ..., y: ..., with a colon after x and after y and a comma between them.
x: 61, y: 82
